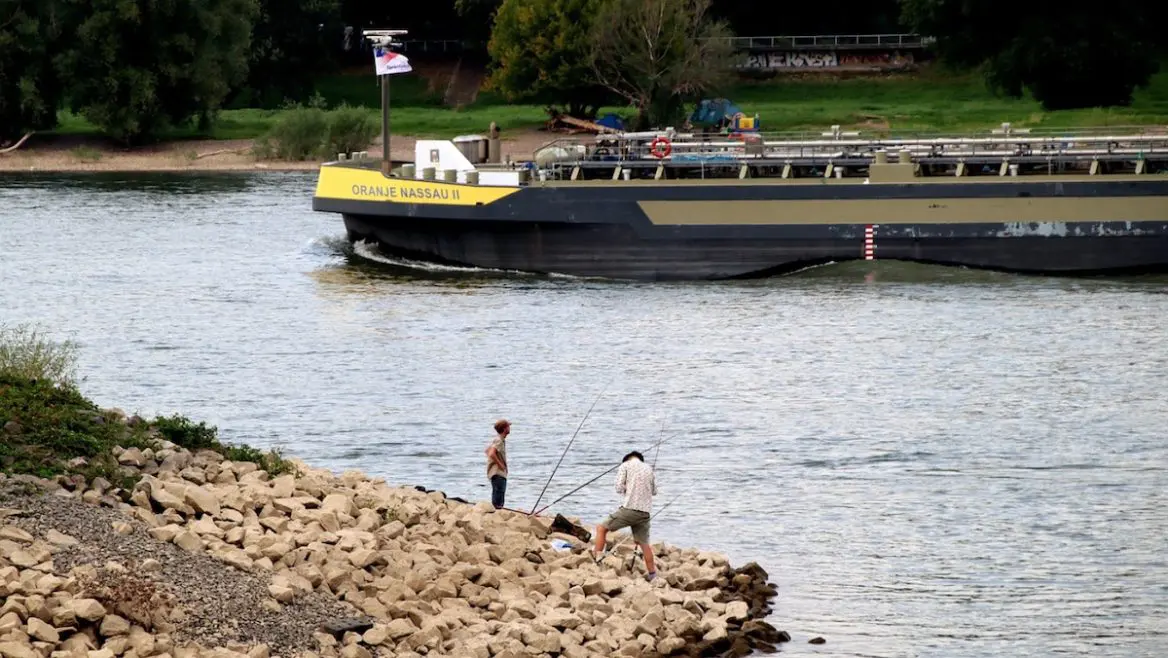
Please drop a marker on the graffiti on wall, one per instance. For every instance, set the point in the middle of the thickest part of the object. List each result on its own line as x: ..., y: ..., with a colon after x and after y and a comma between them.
x: 791, y: 60
x: 825, y: 60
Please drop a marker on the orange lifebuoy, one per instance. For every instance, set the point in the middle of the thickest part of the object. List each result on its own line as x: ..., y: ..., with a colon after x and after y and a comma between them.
x: 660, y: 148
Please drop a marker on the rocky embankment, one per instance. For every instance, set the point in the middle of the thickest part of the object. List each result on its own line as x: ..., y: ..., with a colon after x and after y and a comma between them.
x: 206, y: 557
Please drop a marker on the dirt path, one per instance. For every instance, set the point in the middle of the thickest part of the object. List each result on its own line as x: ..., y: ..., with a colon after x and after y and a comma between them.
x: 86, y: 154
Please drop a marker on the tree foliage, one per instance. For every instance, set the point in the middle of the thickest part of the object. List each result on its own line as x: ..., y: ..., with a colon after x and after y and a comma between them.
x: 290, y: 47
x: 137, y: 66
x: 541, y: 51
x: 30, y: 90
x: 1073, y: 55
x: 660, y: 54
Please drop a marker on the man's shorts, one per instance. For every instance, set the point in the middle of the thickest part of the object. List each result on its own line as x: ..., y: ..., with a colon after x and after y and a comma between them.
x: 624, y: 517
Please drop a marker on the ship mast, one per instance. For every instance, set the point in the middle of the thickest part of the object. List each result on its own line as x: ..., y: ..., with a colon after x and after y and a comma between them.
x: 384, y: 38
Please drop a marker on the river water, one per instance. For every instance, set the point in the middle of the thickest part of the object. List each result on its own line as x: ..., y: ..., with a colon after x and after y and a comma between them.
x: 928, y: 461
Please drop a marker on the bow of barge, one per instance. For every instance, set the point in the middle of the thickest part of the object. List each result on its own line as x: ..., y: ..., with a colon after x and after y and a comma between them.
x: 706, y: 207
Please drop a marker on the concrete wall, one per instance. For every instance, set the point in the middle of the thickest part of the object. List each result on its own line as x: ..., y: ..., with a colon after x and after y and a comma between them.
x: 804, y: 61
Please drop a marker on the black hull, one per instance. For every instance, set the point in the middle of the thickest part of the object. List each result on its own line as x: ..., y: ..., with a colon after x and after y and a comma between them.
x: 710, y: 232
x: 615, y: 252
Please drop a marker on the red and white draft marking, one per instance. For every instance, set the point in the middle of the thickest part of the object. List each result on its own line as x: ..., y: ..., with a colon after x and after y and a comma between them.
x: 870, y: 242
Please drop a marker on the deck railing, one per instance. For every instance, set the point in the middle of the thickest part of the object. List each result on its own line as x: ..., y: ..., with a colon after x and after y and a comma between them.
x: 1005, y: 143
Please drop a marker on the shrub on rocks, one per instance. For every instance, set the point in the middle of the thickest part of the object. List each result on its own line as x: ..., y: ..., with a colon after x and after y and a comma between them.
x: 49, y: 429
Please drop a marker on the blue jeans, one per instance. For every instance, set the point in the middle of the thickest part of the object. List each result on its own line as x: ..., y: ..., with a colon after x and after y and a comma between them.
x: 498, y: 490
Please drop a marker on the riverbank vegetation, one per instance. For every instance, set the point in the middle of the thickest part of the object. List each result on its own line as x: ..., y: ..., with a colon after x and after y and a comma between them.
x: 48, y: 427
x: 927, y: 100
x: 228, y: 69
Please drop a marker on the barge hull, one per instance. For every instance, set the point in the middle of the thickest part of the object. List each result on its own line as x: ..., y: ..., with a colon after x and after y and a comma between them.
x: 616, y: 252
x: 720, y: 231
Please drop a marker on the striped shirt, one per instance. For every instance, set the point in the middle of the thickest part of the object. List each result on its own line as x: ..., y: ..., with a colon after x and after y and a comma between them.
x: 636, y: 481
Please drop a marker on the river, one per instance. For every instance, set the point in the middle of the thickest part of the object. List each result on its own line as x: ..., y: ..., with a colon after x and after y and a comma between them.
x: 928, y: 461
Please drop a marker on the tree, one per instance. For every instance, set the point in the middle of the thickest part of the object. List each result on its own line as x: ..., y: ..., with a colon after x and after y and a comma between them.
x: 541, y: 51
x: 659, y: 54
x: 289, y: 49
x: 135, y: 67
x: 1081, y: 54
x: 476, y: 17
x: 30, y: 91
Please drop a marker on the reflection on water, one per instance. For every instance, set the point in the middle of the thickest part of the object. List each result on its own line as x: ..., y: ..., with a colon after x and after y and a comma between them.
x: 929, y: 461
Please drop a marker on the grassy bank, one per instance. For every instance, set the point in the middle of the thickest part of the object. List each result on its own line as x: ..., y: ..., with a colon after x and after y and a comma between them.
x: 48, y: 428
x: 932, y: 100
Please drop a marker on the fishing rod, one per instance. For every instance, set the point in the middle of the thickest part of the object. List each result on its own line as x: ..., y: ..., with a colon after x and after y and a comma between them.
x: 637, y: 549
x: 565, y: 452
x: 658, y: 453
x: 610, y: 469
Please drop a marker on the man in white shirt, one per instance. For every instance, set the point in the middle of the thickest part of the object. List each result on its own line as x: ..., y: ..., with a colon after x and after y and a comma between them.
x: 636, y: 481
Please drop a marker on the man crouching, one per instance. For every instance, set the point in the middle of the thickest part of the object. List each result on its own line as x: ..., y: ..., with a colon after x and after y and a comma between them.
x: 636, y: 481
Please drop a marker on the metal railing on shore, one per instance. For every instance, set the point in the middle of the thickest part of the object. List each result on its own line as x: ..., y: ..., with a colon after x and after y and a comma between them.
x: 770, y: 43
x: 833, y: 42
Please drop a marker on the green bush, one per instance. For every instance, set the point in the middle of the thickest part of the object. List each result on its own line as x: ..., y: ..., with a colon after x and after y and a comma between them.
x: 182, y: 431
x: 351, y: 129
x: 305, y: 132
x: 27, y: 353
x: 46, y: 423
x: 300, y: 134
x: 43, y: 426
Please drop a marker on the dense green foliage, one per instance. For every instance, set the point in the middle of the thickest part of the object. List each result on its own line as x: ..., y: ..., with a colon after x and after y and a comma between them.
x: 1080, y: 55
x: 47, y: 427
x: 290, y: 48
x: 660, y: 54
x: 30, y: 91
x: 136, y: 66
x: 542, y: 50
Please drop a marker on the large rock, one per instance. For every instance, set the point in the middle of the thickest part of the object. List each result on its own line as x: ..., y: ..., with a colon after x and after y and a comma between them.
x: 166, y: 499
x: 737, y: 611
x: 399, y: 628
x: 338, y: 503
x: 561, y: 619
x: 202, y: 500
x: 15, y: 534
x: 114, y: 625
x: 40, y: 630
x: 17, y: 650
x: 188, y: 541
x: 10, y: 621
x: 87, y: 609
x: 132, y: 457
x: 59, y: 539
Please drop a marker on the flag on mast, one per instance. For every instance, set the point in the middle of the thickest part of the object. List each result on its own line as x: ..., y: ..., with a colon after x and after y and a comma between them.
x: 389, y: 62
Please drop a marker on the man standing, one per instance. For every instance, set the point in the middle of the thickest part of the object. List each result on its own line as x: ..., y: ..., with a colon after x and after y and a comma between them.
x: 497, y: 462
x: 636, y: 481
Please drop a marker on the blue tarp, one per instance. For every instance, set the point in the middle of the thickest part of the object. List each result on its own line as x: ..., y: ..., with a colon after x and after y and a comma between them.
x: 611, y: 120
x: 713, y: 112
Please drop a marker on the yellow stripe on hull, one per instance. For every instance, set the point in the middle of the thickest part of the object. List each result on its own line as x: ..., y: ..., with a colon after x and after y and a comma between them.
x: 355, y: 184
x: 908, y: 211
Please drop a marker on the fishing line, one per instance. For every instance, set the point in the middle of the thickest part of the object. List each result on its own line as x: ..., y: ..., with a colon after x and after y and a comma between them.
x: 610, y: 469
x: 565, y: 452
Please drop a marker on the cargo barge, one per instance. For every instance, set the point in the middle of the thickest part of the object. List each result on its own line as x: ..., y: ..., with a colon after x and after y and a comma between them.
x: 666, y: 205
